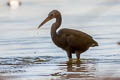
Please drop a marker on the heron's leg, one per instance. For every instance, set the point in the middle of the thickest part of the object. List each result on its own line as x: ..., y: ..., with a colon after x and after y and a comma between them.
x: 78, y: 55
x: 69, y: 54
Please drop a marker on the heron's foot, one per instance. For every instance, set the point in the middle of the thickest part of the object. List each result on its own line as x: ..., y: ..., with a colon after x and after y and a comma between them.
x: 70, y: 61
x: 78, y: 61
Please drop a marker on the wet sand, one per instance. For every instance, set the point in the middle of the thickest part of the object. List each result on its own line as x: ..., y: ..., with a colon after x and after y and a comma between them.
x: 29, y: 54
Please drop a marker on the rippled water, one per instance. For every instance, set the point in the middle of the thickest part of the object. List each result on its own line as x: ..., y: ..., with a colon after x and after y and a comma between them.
x: 29, y: 54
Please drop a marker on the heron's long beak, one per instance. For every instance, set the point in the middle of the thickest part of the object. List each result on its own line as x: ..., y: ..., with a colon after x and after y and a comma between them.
x: 46, y: 20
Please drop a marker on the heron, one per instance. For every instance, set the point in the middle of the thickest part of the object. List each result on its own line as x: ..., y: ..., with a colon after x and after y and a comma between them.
x: 71, y: 40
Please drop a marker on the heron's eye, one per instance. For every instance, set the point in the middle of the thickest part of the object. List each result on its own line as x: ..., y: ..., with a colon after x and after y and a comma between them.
x: 51, y: 15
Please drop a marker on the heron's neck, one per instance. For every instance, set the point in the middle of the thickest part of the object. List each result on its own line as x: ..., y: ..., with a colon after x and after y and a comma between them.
x: 55, y: 26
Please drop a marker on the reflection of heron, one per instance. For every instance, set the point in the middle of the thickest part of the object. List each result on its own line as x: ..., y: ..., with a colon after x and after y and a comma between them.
x: 13, y: 4
x: 72, y: 41
x: 80, y: 71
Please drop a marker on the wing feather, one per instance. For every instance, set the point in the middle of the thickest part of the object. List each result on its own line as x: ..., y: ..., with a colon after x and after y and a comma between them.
x: 76, y: 39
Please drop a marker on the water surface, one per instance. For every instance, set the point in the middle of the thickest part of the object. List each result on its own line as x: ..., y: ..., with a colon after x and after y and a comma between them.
x: 22, y: 45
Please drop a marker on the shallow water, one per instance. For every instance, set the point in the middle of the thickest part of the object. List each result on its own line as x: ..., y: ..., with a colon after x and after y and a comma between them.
x: 29, y: 54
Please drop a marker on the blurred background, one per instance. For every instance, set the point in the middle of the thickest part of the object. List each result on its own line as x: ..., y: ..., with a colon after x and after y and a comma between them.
x: 21, y: 43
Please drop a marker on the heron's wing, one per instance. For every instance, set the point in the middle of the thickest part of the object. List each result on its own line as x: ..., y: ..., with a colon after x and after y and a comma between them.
x: 76, y: 39
x: 78, y: 42
x: 74, y: 32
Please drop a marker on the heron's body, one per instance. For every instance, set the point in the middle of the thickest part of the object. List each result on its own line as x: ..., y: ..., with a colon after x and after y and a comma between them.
x: 70, y: 40
x: 73, y: 40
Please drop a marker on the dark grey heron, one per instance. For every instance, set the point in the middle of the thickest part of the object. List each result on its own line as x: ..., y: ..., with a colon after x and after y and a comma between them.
x: 70, y: 40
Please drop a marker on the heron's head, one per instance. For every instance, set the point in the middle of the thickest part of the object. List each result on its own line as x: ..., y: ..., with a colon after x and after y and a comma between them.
x: 51, y: 15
